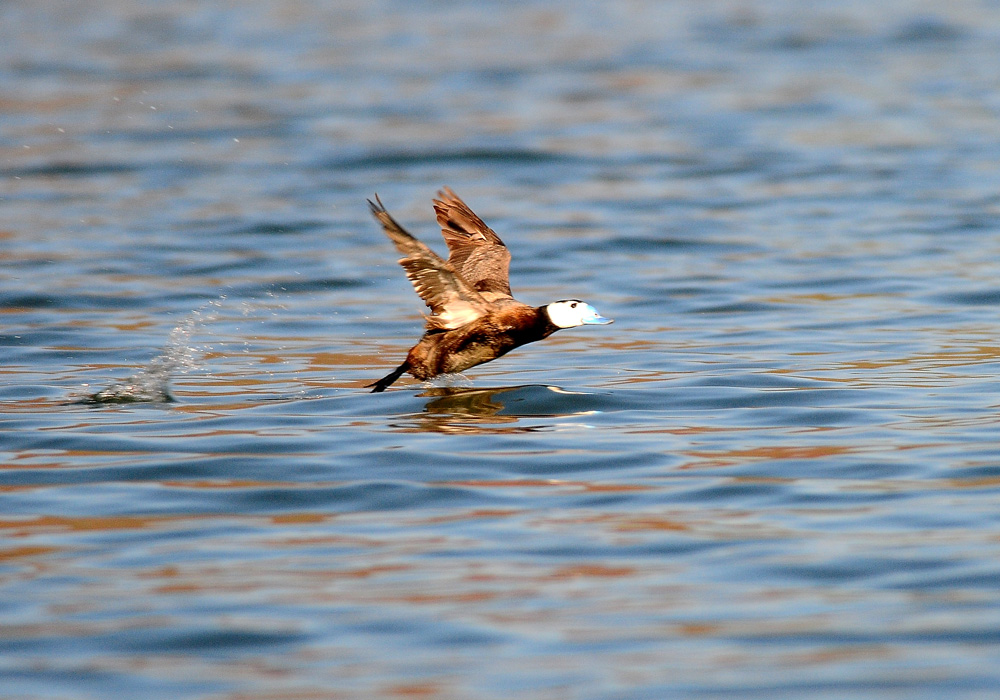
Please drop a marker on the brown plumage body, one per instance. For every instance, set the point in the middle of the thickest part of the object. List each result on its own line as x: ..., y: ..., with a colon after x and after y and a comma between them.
x: 474, y: 318
x: 487, y: 338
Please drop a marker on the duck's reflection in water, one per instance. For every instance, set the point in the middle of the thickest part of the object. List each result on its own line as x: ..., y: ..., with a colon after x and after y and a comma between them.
x: 491, y: 410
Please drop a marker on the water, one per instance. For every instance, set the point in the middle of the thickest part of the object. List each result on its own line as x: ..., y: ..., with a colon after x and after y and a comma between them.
x: 775, y: 476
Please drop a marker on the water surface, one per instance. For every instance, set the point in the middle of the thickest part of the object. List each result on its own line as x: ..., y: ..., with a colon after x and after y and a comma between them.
x: 775, y: 476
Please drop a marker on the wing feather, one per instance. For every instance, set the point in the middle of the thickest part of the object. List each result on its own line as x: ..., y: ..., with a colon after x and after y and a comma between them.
x: 452, y: 301
x: 477, y: 252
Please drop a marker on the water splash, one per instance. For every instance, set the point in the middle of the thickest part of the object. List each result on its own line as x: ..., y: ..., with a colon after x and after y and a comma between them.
x: 454, y: 380
x: 152, y: 383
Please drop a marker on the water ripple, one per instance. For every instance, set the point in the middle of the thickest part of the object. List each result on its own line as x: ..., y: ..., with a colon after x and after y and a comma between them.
x: 774, y: 476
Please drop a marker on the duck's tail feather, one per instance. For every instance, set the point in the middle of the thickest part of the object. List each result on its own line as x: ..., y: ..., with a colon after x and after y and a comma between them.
x: 384, y: 383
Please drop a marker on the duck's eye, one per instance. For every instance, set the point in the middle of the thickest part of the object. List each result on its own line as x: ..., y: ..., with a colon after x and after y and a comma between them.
x: 573, y: 305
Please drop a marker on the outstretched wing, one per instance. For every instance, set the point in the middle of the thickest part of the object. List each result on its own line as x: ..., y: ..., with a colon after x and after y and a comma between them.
x: 477, y: 253
x: 452, y: 301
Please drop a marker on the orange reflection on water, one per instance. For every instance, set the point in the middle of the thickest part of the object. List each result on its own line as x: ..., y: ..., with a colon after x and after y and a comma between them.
x: 476, y: 514
x: 618, y: 527
x: 592, y: 571
x: 425, y: 689
x: 301, y: 518
x: 26, y: 552
x: 728, y: 458
x: 18, y: 527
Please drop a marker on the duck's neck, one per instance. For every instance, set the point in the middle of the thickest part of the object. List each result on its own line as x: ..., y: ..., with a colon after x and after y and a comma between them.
x: 543, y: 325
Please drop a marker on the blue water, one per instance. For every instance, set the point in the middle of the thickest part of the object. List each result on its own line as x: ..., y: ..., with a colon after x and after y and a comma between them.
x: 777, y: 475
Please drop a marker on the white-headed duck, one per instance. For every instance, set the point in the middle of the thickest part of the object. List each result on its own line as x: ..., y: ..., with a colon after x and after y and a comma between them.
x: 473, y: 317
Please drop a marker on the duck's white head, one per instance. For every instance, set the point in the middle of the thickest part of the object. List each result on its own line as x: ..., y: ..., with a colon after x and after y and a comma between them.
x: 573, y: 312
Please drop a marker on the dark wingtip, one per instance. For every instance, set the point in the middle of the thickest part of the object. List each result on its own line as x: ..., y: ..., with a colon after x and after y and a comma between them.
x: 446, y: 197
x: 378, y: 208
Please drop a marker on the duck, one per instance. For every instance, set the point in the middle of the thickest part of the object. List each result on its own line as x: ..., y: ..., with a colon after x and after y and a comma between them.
x: 473, y: 316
